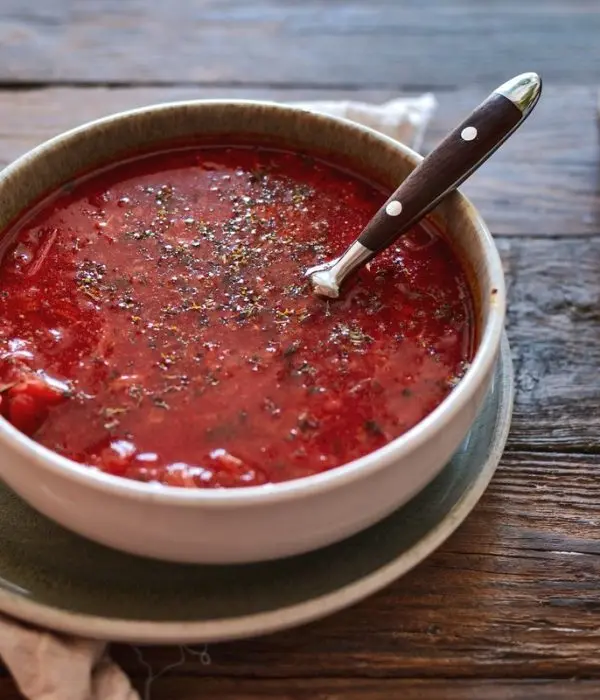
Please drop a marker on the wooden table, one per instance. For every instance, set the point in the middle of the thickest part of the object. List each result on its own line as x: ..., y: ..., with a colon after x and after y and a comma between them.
x: 509, y: 607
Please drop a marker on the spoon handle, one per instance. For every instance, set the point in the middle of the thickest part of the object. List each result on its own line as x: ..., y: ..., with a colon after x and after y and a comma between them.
x: 465, y: 148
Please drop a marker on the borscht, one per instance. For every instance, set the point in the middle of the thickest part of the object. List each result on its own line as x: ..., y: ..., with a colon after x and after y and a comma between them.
x: 155, y: 323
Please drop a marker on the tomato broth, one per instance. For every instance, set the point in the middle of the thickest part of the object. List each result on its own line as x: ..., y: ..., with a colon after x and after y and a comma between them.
x: 155, y: 323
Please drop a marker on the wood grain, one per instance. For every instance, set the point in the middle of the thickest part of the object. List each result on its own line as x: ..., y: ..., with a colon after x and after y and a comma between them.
x: 341, y: 689
x: 386, y: 43
x: 554, y: 329
x: 186, y: 688
x: 545, y: 181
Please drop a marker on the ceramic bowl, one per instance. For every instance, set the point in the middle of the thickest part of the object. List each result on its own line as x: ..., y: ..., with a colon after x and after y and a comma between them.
x: 271, y: 521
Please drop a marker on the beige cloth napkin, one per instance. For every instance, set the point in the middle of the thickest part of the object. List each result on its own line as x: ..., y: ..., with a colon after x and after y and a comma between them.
x: 50, y: 666
x: 404, y: 119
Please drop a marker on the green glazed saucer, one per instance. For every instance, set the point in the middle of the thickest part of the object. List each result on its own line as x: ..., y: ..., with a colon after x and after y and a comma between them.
x: 51, y: 577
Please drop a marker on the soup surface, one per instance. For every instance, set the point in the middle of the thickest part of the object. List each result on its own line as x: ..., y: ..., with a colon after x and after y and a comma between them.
x: 155, y: 324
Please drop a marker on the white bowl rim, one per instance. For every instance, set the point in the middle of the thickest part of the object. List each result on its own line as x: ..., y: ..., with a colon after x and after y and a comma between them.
x: 248, y: 496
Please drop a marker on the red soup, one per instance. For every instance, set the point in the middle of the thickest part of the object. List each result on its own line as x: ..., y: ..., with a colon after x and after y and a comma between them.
x: 155, y: 323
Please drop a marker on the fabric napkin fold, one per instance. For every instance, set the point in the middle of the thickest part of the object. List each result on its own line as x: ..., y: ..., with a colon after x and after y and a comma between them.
x: 51, y: 666
x: 404, y: 118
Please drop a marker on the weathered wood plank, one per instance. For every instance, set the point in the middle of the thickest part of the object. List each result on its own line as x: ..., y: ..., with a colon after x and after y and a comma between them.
x: 513, y: 593
x: 554, y: 327
x: 542, y: 182
x: 186, y: 688
x: 309, y: 41
x: 191, y: 688
x: 339, y: 689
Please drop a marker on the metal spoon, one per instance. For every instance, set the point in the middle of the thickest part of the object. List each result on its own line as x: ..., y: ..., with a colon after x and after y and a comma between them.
x: 443, y: 170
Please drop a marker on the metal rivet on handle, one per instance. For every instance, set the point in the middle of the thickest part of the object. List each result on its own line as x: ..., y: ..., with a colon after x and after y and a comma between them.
x: 469, y: 133
x: 394, y: 208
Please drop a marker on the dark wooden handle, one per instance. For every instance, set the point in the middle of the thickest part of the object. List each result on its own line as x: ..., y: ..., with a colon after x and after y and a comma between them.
x: 454, y: 159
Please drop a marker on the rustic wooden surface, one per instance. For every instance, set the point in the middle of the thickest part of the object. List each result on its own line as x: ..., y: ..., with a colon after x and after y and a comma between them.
x: 509, y: 607
x: 412, y: 43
